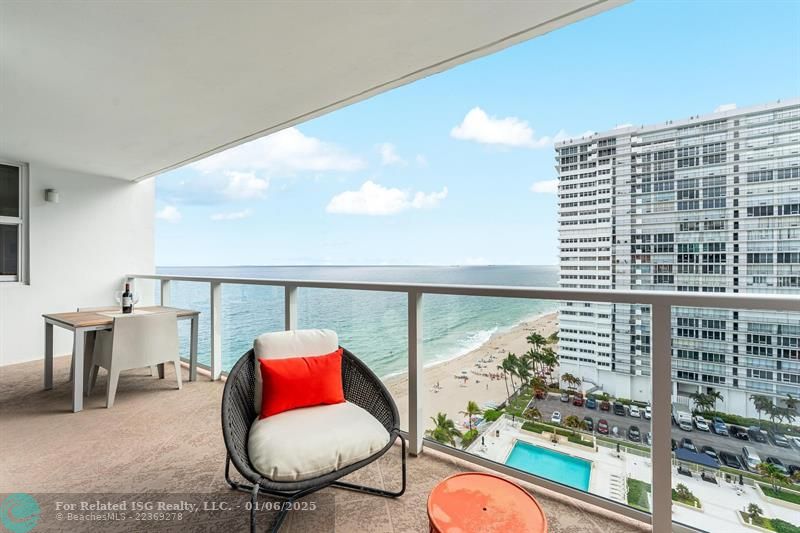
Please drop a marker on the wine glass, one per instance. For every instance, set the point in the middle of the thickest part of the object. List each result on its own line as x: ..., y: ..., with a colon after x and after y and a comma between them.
x: 134, y: 297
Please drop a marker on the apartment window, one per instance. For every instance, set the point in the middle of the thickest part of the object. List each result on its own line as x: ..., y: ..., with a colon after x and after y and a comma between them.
x: 13, y: 222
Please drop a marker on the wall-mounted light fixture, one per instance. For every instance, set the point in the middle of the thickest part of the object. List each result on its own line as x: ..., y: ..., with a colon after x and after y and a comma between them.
x: 51, y: 195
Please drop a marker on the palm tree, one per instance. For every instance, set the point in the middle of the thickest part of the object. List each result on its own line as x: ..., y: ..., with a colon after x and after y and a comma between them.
x: 569, y: 379
x: 472, y: 410
x: 537, y: 383
x: 532, y: 413
x: 773, y: 474
x: 714, y: 397
x: 762, y: 404
x: 753, y: 512
x: 509, y: 367
x: 701, y: 401
x: 444, y: 431
x: 504, y: 367
x: 573, y: 422
x: 549, y: 360
x: 524, y: 374
x: 553, y: 338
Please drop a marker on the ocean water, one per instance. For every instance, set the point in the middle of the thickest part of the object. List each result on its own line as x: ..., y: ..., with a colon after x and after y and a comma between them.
x: 370, y: 324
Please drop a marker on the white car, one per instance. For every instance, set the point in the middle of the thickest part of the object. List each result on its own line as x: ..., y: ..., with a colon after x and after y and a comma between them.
x: 648, y: 413
x: 701, y: 423
x: 633, y: 411
x: 556, y: 418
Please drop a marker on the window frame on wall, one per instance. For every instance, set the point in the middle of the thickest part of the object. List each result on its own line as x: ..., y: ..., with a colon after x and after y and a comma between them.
x: 22, y: 221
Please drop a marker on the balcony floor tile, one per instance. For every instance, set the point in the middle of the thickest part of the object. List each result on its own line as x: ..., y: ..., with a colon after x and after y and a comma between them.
x: 159, y: 439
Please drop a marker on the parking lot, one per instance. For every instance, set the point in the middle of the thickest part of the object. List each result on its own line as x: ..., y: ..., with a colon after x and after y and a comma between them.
x: 720, y: 443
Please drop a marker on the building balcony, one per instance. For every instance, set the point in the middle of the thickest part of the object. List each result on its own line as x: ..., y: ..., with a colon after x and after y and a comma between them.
x: 159, y: 444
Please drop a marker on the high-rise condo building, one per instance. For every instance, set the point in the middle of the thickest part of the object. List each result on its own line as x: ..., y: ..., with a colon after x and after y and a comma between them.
x: 706, y: 204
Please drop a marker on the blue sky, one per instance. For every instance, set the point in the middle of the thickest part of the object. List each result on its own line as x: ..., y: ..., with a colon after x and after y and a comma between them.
x: 442, y: 171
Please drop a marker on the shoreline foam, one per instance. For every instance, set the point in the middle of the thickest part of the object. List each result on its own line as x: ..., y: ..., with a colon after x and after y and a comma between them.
x: 453, y: 395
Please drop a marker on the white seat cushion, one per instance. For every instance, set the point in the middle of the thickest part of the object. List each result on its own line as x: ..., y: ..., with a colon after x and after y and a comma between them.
x: 293, y: 343
x: 306, y: 443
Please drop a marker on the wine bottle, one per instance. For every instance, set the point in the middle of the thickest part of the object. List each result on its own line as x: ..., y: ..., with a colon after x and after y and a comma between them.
x: 127, y: 299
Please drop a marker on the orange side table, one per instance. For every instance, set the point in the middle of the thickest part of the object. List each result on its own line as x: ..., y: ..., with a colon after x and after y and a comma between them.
x: 473, y: 502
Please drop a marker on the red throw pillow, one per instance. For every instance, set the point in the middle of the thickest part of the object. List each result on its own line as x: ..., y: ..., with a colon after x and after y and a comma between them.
x: 301, y: 382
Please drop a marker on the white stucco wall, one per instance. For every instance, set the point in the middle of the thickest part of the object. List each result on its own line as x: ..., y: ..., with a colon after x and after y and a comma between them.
x: 80, y: 249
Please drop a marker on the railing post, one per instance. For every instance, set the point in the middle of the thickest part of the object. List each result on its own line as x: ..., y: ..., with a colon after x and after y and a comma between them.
x: 290, y: 307
x: 216, y: 330
x: 166, y: 293
x: 661, y: 377
x: 416, y: 424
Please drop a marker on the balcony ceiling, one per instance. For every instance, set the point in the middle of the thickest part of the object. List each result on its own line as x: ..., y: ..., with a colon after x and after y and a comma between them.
x: 131, y: 89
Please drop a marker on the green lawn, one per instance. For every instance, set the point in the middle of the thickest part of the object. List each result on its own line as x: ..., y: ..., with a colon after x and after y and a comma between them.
x: 693, y: 501
x: 772, y: 524
x: 519, y: 402
x: 785, y: 495
x: 637, y: 494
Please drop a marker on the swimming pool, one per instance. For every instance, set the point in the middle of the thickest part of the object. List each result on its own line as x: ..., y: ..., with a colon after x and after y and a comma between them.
x: 550, y: 464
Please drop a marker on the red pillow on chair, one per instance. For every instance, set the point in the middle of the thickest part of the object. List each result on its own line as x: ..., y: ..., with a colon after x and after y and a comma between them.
x: 297, y: 382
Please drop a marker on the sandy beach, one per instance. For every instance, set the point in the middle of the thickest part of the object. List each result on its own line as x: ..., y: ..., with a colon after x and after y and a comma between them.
x: 453, y: 394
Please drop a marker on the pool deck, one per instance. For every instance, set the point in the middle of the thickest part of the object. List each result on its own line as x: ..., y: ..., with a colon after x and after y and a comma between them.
x: 608, y: 473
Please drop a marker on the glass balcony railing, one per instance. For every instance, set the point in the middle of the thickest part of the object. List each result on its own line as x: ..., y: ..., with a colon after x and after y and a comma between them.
x: 609, y: 397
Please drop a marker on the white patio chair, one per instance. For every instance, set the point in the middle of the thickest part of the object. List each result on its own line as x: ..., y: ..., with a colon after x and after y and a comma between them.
x: 137, y: 341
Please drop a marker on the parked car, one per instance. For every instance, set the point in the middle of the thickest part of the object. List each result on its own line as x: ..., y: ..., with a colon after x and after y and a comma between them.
x: 795, y: 441
x: 588, y: 423
x: 540, y: 394
x: 778, y: 464
x: 591, y: 403
x: 634, y: 434
x: 779, y: 439
x: 578, y: 401
x: 757, y: 434
x: 605, y: 406
x: 751, y: 458
x: 619, y: 409
x: 730, y: 460
x: 648, y: 439
x: 688, y: 444
x: 648, y: 413
x: 565, y: 397
x: 718, y: 426
x: 556, y: 418
x: 738, y: 432
x: 793, y: 469
x: 711, y: 452
x: 602, y: 426
x: 634, y: 411
x: 700, y: 423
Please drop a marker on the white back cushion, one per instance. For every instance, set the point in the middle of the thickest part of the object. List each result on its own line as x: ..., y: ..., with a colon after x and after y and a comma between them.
x: 293, y: 343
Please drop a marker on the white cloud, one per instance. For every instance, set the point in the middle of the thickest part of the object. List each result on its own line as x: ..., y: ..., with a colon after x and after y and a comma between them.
x: 421, y: 160
x: 428, y: 201
x: 545, y: 186
x: 236, y: 215
x: 285, y: 152
x: 389, y: 155
x: 725, y: 107
x: 169, y: 213
x: 244, y: 185
x: 374, y: 199
x: 509, y: 131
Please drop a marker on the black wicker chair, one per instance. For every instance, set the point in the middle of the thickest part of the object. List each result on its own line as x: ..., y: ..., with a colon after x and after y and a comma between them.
x: 361, y: 387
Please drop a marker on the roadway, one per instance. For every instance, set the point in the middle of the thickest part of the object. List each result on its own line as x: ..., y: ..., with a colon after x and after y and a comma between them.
x: 700, y: 438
